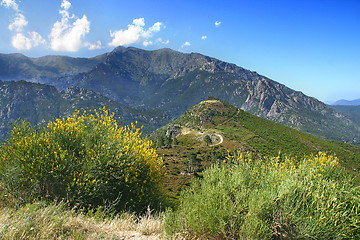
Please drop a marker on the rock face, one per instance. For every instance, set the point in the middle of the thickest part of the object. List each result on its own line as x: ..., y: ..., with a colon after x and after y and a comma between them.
x: 173, y: 131
x: 34, y: 104
x: 172, y: 82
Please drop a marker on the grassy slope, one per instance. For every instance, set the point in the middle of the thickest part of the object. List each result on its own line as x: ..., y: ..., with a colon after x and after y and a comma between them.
x: 240, y: 130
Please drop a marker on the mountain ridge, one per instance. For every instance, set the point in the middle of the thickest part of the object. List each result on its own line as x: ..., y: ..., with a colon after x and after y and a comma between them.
x: 16, y: 66
x: 173, y: 81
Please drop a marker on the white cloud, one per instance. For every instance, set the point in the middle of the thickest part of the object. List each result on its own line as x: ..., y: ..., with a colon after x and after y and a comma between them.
x: 217, y: 23
x: 18, y: 23
x: 93, y: 46
x: 147, y: 43
x: 10, y: 4
x: 186, y: 44
x: 159, y: 40
x: 155, y: 28
x: 66, y: 5
x: 134, y: 33
x: 21, y: 42
x: 204, y: 37
x: 67, y: 36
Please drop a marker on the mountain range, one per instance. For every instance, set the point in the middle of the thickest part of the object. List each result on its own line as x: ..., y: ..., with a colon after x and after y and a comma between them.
x: 355, y: 102
x: 172, y: 82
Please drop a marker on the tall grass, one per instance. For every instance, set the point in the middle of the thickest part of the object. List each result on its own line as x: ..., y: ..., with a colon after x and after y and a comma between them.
x: 57, y: 221
x: 263, y: 198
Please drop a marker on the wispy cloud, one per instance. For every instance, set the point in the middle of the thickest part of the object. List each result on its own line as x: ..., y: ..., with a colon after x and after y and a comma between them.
x: 10, y: 4
x: 186, y: 44
x: 147, y: 43
x: 21, y: 40
x: 68, y: 33
x: 159, y: 40
x: 204, y: 37
x: 135, y: 33
x: 18, y: 23
x: 65, y: 5
x: 93, y: 46
x: 217, y: 23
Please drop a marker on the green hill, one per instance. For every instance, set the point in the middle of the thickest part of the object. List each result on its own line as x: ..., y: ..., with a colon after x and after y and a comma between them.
x: 207, y: 131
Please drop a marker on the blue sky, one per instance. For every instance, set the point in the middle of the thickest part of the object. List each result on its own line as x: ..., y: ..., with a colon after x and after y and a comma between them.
x: 311, y: 46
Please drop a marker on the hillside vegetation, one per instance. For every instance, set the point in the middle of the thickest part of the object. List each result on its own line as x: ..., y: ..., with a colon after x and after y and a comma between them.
x: 269, y: 198
x: 224, y: 174
x: 186, y: 152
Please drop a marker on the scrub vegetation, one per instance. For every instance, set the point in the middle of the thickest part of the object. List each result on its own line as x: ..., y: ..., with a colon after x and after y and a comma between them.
x: 86, y: 177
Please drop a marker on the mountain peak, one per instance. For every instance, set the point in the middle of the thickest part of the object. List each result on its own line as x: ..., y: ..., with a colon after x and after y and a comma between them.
x: 206, y: 114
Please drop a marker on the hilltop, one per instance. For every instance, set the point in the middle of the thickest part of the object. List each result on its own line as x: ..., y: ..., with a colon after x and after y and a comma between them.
x: 206, y: 132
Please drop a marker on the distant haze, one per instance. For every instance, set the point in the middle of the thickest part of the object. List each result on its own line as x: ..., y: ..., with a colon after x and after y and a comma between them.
x: 355, y: 102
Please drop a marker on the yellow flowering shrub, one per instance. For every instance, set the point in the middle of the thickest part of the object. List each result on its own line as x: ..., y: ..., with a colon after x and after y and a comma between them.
x: 86, y: 159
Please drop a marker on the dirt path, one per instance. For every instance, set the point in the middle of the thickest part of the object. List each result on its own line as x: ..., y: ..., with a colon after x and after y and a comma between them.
x: 221, y: 140
x: 137, y: 236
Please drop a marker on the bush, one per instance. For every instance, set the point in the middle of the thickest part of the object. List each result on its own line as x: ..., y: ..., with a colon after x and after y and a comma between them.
x: 280, y: 198
x: 86, y: 159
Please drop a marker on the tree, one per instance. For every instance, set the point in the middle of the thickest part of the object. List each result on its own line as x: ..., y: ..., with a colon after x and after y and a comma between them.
x: 207, y: 140
x: 211, y: 98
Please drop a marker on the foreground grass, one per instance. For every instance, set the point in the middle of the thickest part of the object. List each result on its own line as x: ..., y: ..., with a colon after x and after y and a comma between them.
x: 245, y: 197
x: 56, y: 221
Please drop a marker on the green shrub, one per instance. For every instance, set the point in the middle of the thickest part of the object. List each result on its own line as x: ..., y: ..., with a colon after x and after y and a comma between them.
x: 86, y: 159
x: 279, y: 198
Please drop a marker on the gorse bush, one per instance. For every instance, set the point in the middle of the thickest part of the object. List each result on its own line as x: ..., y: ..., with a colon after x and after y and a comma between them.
x: 271, y: 198
x: 86, y: 159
